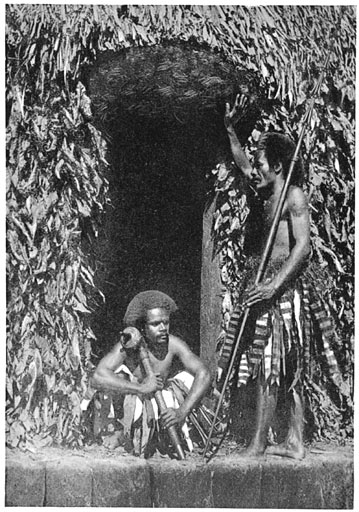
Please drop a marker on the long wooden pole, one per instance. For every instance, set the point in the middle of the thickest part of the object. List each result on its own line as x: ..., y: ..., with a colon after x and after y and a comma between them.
x: 269, y: 243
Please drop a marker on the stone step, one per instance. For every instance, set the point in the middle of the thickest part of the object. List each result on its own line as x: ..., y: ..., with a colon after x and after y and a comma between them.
x: 320, y: 481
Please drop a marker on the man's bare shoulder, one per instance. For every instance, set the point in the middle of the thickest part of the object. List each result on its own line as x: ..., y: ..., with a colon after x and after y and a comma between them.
x: 177, y: 344
x: 191, y: 362
x: 179, y: 347
x: 114, y: 357
x: 296, y: 200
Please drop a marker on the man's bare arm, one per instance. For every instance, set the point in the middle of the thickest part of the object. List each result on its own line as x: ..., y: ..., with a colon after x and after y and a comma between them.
x: 105, y: 378
x: 230, y: 119
x: 201, y: 383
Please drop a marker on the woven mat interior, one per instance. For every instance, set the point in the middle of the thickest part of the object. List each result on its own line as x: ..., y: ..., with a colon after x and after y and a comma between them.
x: 162, y: 81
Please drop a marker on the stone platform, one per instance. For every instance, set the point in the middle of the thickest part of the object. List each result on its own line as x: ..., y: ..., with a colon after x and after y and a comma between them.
x: 94, y: 477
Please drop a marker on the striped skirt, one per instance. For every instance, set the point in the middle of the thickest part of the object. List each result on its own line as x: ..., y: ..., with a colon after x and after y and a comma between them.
x: 293, y: 335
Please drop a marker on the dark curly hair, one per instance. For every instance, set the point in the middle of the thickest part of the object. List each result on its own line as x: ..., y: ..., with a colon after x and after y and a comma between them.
x: 279, y: 149
x: 150, y: 299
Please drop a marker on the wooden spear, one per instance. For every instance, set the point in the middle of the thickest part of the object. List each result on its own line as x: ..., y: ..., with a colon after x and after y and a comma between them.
x: 269, y: 243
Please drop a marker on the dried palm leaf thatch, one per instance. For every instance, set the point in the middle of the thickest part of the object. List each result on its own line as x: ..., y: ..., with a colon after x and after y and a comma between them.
x: 164, y: 81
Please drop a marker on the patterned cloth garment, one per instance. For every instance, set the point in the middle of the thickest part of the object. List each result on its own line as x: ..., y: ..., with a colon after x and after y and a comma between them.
x: 297, y: 326
x: 138, y: 418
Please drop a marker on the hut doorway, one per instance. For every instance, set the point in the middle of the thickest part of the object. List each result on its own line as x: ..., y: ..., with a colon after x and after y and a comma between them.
x: 162, y: 111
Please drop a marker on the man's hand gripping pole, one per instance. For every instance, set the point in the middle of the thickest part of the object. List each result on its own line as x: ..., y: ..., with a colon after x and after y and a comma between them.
x: 132, y: 338
x: 269, y: 243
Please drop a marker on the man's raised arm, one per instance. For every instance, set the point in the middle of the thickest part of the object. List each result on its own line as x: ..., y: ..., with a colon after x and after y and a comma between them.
x: 230, y: 119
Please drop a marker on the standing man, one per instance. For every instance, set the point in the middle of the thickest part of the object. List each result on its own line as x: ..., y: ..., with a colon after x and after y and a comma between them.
x: 120, y: 374
x: 285, y: 309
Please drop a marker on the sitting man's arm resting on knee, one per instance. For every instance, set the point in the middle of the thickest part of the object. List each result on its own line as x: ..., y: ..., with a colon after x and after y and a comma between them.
x: 200, y: 386
x: 105, y: 379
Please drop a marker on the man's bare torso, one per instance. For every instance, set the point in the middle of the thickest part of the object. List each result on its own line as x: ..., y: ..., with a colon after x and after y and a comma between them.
x: 161, y: 364
x: 284, y: 240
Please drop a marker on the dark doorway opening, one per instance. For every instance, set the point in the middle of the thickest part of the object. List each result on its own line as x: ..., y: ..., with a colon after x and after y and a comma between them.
x: 162, y: 109
x: 152, y: 234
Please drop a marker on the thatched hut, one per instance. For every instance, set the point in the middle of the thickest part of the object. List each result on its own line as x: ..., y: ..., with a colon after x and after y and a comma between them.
x: 108, y: 199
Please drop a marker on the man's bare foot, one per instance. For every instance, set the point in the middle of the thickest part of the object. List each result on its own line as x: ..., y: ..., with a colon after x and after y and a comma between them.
x: 113, y: 441
x: 252, y: 452
x: 291, y: 450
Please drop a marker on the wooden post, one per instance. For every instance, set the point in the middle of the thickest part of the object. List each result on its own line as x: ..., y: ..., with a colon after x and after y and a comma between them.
x: 211, y: 298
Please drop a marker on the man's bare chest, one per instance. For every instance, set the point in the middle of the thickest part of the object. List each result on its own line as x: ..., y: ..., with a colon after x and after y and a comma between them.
x: 159, y: 366
x: 270, y: 209
x: 283, y: 233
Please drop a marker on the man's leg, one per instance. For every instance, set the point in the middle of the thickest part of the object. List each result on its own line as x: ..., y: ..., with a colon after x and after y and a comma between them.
x: 266, y: 405
x: 293, y: 445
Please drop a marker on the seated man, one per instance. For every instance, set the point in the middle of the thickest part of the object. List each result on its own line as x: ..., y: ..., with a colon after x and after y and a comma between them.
x: 120, y: 375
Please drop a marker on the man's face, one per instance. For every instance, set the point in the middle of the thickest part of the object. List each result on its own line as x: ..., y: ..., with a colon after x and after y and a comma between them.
x: 262, y: 175
x: 157, y: 325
